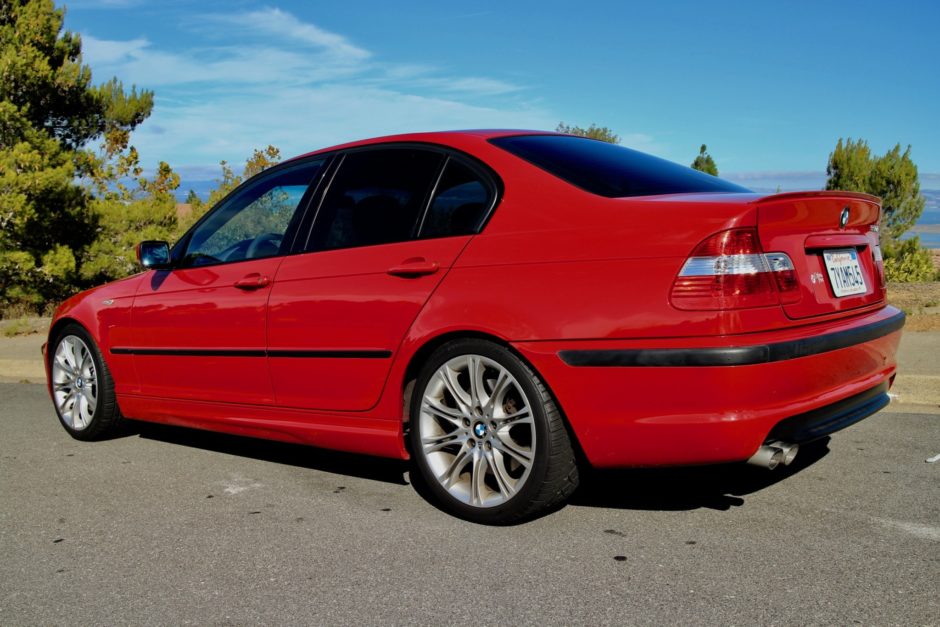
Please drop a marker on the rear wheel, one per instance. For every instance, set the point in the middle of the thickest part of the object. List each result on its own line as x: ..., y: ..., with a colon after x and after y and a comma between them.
x: 487, y: 437
x: 82, y: 388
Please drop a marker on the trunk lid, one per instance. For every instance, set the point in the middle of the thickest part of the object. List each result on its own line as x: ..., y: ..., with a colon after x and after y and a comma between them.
x: 832, y: 239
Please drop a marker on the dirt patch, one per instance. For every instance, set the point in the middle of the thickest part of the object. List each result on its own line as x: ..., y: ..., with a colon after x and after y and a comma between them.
x: 915, y: 298
x: 920, y: 301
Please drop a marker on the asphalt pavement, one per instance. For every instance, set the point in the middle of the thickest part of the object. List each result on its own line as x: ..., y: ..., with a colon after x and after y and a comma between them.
x: 171, y: 526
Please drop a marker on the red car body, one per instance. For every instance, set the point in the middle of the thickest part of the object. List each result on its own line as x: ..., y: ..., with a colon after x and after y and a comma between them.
x: 579, y: 285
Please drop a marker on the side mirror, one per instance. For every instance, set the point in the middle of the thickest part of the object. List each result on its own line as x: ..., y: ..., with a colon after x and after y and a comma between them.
x: 154, y: 255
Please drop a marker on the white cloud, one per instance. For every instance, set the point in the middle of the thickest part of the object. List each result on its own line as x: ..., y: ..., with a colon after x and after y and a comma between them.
x: 106, y: 52
x: 304, y: 118
x: 283, y: 25
x: 295, y: 85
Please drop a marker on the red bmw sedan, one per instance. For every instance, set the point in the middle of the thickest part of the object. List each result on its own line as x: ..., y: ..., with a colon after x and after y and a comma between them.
x: 501, y: 307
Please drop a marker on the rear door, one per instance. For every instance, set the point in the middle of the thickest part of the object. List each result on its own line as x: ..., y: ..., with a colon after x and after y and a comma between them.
x: 389, y: 227
x: 198, y: 331
x: 832, y: 239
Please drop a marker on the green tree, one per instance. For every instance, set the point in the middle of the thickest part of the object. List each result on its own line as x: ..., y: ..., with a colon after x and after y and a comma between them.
x: 126, y: 215
x: 49, y: 111
x: 704, y: 162
x: 260, y: 160
x: 593, y: 131
x: 892, y: 177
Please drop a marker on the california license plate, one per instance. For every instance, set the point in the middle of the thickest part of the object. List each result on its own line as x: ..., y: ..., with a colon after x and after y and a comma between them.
x: 845, y: 273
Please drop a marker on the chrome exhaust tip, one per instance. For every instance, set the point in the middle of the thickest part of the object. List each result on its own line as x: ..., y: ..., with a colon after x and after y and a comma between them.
x: 789, y: 451
x: 772, y: 455
x: 768, y: 457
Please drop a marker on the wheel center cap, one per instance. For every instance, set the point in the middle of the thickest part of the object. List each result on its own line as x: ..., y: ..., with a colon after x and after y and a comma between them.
x: 479, y: 429
x: 79, y: 383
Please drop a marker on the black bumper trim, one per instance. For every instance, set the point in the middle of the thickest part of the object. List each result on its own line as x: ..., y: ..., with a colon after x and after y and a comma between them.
x: 733, y: 355
x: 818, y: 423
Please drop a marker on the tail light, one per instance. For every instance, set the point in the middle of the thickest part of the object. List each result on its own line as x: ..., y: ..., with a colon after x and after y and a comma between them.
x: 879, y: 262
x: 730, y: 271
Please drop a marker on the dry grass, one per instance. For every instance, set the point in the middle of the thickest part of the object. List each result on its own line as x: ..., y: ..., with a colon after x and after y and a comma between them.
x: 23, y: 326
x: 920, y: 301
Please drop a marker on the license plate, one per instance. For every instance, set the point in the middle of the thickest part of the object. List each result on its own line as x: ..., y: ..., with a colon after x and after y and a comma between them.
x: 845, y: 273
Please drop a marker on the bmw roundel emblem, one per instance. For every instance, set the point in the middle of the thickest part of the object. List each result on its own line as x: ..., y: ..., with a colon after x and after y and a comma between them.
x: 844, y: 218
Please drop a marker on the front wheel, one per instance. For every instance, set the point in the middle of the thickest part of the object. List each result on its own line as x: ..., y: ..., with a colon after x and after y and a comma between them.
x: 487, y: 437
x: 82, y: 389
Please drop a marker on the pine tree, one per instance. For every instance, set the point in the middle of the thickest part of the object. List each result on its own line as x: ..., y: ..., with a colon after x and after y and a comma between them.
x: 704, y: 162
x: 49, y: 111
x: 593, y: 131
x: 892, y: 177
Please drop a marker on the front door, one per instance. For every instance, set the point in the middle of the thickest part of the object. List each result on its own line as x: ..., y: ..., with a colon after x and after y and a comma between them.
x: 198, y: 330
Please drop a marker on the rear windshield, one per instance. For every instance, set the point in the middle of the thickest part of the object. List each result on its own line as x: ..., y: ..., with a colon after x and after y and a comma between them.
x: 610, y: 170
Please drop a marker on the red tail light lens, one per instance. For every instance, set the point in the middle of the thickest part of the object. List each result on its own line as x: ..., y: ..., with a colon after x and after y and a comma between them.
x: 879, y: 266
x: 729, y: 271
x: 784, y: 274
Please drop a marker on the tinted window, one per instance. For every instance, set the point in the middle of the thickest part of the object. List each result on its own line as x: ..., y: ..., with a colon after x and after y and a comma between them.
x: 460, y: 203
x: 376, y: 197
x: 252, y: 222
x: 610, y: 170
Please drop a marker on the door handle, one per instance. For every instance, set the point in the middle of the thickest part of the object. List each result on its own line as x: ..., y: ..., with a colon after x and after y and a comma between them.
x: 414, y: 267
x: 252, y: 281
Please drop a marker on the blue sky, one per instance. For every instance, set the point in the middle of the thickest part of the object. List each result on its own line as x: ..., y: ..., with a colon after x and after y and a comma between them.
x: 768, y: 86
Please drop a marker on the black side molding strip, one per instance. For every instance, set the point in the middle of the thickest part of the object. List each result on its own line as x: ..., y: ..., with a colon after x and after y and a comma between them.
x: 733, y: 355
x: 200, y: 352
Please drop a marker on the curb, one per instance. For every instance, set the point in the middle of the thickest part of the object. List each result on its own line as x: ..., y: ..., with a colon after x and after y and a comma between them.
x: 920, y: 389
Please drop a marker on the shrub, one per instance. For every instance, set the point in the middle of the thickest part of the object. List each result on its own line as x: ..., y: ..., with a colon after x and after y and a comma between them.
x: 907, y: 261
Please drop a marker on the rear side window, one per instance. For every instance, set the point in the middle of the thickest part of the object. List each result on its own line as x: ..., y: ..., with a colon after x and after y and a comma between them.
x: 610, y: 170
x: 376, y: 197
x: 460, y: 203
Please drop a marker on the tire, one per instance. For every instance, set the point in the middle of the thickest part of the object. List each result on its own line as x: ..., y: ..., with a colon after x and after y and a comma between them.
x: 494, y: 451
x: 82, y: 387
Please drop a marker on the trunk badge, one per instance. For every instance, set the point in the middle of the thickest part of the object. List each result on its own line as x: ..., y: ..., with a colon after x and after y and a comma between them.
x: 844, y: 218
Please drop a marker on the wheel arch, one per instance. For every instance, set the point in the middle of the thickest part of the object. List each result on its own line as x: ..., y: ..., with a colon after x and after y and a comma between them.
x: 426, y: 349
x: 56, y: 328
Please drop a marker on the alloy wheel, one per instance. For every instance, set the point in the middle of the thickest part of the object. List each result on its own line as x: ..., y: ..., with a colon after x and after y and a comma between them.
x: 74, y: 382
x: 477, y: 431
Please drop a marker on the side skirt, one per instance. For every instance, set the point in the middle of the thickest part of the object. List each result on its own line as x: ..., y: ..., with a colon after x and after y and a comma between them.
x: 353, y: 433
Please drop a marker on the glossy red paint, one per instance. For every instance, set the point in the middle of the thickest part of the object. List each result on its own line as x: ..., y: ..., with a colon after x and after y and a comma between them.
x: 346, y: 300
x: 203, y: 309
x: 554, y: 269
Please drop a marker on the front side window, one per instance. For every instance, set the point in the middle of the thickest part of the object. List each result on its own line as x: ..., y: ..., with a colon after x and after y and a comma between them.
x: 376, y: 197
x: 251, y: 224
x: 460, y: 205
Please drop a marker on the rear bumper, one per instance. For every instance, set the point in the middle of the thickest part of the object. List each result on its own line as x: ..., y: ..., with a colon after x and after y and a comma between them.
x: 680, y: 401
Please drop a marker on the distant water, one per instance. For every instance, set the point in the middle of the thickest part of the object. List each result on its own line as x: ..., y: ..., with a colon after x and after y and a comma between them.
x: 927, y: 240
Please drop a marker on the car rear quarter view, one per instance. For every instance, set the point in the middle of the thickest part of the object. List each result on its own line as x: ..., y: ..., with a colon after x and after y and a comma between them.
x: 501, y: 307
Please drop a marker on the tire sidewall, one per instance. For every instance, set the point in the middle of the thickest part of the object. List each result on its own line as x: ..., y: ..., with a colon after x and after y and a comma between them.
x: 520, y: 501
x: 103, y: 382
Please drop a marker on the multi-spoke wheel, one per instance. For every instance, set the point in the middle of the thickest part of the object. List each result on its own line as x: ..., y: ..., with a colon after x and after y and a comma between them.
x: 486, y: 435
x: 82, y: 390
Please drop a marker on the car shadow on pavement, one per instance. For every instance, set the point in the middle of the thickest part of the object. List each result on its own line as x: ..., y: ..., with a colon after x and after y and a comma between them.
x: 302, y: 456
x: 719, y: 487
